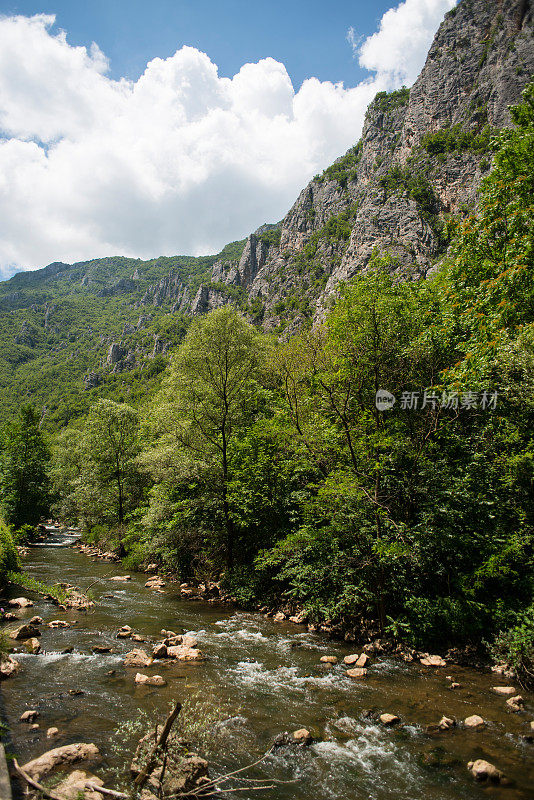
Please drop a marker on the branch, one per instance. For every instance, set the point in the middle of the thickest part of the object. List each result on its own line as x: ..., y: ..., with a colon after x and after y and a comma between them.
x: 160, y: 742
x: 33, y: 783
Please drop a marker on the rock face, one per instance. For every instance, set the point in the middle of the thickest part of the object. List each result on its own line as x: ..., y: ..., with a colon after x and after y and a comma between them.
x: 480, y: 60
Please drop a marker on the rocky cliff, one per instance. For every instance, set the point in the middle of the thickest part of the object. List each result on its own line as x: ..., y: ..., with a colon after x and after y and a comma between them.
x: 419, y: 162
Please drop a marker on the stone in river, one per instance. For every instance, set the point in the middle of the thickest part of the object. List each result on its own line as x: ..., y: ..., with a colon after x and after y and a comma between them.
x: 182, y: 653
x: 51, y: 732
x: 60, y: 756
x: 446, y: 723
x: 485, y: 772
x: 504, y: 689
x: 102, y: 648
x: 29, y: 716
x: 357, y: 672
x: 328, y: 659
x: 352, y: 659
x: 59, y: 623
x: 389, y: 719
x: 137, y: 658
x: 8, y: 667
x: 302, y: 736
x: 33, y: 645
x: 25, y: 632
x: 433, y: 661
x: 189, y: 641
x: 474, y: 721
x: 20, y: 602
x: 150, y: 680
x: 160, y: 650
x: 515, y: 703
x: 75, y: 786
x: 124, y: 633
x: 279, y: 617
x: 35, y: 621
x: 121, y: 578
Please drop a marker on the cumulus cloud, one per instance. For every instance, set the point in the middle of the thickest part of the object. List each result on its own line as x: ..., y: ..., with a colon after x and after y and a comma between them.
x: 179, y: 161
x: 397, y: 50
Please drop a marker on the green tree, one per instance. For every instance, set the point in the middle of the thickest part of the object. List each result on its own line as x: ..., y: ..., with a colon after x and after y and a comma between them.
x: 209, y: 397
x: 24, y: 485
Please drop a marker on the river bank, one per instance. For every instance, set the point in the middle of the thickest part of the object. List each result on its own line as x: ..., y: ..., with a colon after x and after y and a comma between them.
x: 260, y: 678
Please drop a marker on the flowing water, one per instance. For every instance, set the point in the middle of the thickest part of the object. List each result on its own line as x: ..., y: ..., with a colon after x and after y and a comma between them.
x: 263, y: 678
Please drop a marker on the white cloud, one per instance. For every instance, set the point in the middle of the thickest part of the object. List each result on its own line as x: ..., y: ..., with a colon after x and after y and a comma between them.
x: 179, y: 161
x: 398, y: 49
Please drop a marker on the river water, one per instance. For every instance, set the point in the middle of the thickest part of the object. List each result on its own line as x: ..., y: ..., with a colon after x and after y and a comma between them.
x: 261, y: 678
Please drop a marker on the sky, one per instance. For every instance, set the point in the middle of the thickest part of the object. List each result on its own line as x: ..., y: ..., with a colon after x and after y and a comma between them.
x: 146, y: 129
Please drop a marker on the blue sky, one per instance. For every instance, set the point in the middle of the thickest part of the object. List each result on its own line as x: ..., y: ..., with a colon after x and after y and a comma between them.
x: 137, y: 129
x: 308, y: 36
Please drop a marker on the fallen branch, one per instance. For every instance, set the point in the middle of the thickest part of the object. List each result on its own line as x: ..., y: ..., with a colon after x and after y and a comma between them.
x: 33, y: 783
x: 160, y: 743
x: 107, y: 792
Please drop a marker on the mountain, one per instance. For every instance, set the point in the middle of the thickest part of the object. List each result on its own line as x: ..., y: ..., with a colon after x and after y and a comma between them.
x: 102, y: 328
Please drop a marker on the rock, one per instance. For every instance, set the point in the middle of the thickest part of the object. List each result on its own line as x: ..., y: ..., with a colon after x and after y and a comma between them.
x: 433, y: 661
x: 328, y: 659
x: 59, y: 623
x: 363, y: 660
x: 74, y: 787
x: 302, y: 736
x: 299, y: 619
x: 124, y: 633
x: 102, y: 648
x: 151, y: 567
x: 121, y: 578
x: 136, y: 637
x: 34, y: 726
x: 35, y: 621
x: 9, y: 616
x: 155, y: 582
x: 33, y: 645
x: 25, y: 632
x: 52, y: 732
x: 189, y: 776
x: 532, y: 725
x: 29, y: 716
x: 20, y: 602
x: 515, y: 703
x: 446, y: 723
x: 8, y: 667
x: 484, y: 771
x: 504, y: 689
x: 455, y: 685
x: 172, y: 641
x: 474, y: 721
x: 137, y: 658
x: 160, y: 650
x: 279, y: 617
x: 188, y: 641
x: 357, y: 672
x: 76, y: 692
x: 352, y: 659
x: 152, y: 680
x: 61, y: 756
x: 389, y: 719
x: 168, y: 634
x: 182, y: 653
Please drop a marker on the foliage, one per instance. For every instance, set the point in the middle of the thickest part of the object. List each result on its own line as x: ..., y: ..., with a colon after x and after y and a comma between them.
x: 9, y: 560
x: 57, y: 590
x: 387, y: 101
x: 457, y: 139
x: 24, y: 458
x: 345, y: 169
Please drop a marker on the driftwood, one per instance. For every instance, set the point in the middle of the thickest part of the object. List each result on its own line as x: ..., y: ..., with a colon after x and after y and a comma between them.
x: 161, y: 741
x: 33, y: 783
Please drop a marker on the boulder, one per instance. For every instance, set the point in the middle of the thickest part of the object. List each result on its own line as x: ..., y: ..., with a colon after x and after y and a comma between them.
x: 357, y: 672
x: 299, y: 619
x: 35, y: 621
x: 124, y: 633
x: 182, y: 653
x: 446, y: 723
x: 433, y: 661
x: 52, y: 732
x: 504, y: 689
x: 168, y: 634
x: 61, y: 756
x: 455, y: 685
x: 188, y: 641
x: 33, y: 645
x: 59, y: 623
x: 484, y: 771
x: 328, y: 659
x: 136, y: 637
x: 532, y: 725
x: 352, y: 659
x: 8, y: 667
x: 389, y: 719
x: 515, y: 703
x: 187, y: 777
x: 29, y: 716
x: 121, y: 578
x: 20, y: 602
x: 172, y: 641
x: 363, y: 660
x: 137, y: 658
x: 76, y: 786
x: 160, y: 650
x: 279, y: 617
x: 150, y: 680
x: 25, y: 632
x: 302, y: 736
x: 474, y: 721
x: 102, y: 648
x: 155, y: 582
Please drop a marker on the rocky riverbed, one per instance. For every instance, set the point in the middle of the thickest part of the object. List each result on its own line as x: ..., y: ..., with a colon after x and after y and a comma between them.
x: 374, y: 725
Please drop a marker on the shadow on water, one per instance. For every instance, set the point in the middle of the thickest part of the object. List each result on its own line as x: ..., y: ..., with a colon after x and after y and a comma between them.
x: 263, y: 679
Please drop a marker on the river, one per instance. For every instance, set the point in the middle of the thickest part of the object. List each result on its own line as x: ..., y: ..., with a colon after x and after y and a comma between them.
x: 262, y: 678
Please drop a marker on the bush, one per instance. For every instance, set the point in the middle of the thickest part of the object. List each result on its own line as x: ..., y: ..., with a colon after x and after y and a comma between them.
x: 9, y: 560
x: 515, y: 647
